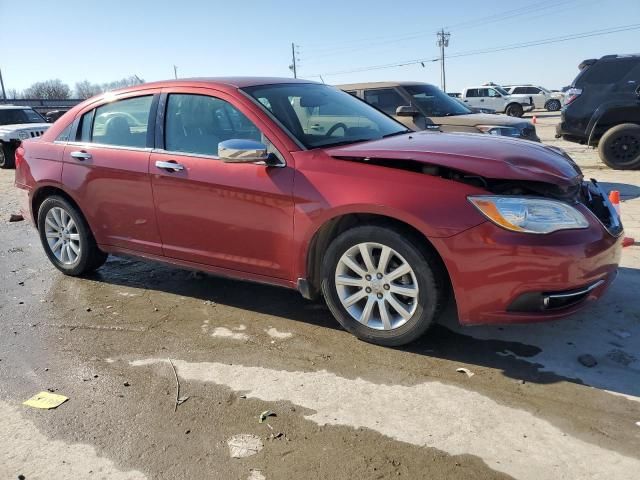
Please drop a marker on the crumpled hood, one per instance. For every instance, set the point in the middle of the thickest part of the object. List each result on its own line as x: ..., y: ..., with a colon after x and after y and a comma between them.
x: 478, y: 154
x: 475, y: 119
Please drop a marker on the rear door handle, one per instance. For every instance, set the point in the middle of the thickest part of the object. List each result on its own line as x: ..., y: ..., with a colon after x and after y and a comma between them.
x: 170, y: 166
x: 82, y: 156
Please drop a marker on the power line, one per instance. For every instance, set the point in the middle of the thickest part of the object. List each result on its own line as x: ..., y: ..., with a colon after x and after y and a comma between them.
x: 364, y: 43
x: 533, y: 43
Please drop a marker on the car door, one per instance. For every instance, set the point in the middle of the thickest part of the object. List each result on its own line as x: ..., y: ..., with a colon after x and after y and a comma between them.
x: 473, y: 98
x: 493, y: 99
x: 106, y: 171
x: 232, y: 216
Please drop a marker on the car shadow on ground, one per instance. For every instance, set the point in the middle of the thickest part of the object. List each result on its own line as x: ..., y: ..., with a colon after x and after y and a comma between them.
x: 540, y: 353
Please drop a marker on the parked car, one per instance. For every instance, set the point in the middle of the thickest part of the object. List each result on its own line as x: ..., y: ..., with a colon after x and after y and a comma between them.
x: 421, y: 106
x: 602, y: 109
x: 541, y: 97
x: 16, y: 124
x: 229, y: 176
x: 495, y: 97
x: 53, y: 115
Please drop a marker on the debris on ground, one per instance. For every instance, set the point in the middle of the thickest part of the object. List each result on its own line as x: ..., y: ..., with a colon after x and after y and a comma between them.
x: 265, y: 414
x: 621, y: 357
x: 587, y: 360
x: 45, y: 400
x: 179, y: 400
x: 15, y: 218
x: 465, y: 370
x: 244, y: 445
x: 256, y: 475
x: 621, y: 333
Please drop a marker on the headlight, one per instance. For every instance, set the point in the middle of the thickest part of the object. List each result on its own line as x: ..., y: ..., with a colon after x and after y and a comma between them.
x: 529, y: 215
x: 500, y: 130
x: 23, y: 135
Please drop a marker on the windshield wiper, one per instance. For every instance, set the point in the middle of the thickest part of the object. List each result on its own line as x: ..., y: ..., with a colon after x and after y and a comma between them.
x: 401, y: 132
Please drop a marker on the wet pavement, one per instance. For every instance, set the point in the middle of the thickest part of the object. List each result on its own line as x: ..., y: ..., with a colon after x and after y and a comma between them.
x: 343, y: 409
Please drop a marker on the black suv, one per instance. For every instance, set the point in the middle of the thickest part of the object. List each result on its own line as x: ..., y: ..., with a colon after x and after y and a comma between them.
x: 602, y: 108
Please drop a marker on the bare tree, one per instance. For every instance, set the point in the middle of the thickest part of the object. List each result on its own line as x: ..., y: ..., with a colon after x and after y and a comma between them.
x: 122, y: 83
x: 86, y: 89
x: 49, y: 89
x: 14, y: 94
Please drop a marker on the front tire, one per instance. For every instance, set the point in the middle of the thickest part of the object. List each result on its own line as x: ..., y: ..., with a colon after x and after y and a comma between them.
x: 514, y: 110
x: 67, y: 239
x: 619, y: 147
x: 553, y: 105
x: 7, y: 156
x: 381, y: 286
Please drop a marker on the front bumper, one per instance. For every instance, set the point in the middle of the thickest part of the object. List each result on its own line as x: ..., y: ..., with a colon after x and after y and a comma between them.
x: 498, y: 275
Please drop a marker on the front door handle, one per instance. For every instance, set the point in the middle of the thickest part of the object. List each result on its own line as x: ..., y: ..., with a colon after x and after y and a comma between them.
x: 316, y: 126
x: 170, y: 166
x: 82, y: 156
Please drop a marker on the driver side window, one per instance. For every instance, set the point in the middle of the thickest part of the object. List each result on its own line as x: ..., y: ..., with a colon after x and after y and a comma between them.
x: 385, y: 99
x: 198, y: 123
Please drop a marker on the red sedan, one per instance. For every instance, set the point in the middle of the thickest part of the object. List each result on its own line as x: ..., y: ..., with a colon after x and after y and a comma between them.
x: 298, y: 184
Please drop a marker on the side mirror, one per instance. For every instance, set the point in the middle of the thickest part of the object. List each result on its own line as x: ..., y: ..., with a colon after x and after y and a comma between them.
x: 242, y: 151
x: 407, y: 111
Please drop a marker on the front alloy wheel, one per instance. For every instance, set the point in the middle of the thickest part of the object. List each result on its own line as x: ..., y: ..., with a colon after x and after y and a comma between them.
x: 376, y: 286
x: 382, y: 285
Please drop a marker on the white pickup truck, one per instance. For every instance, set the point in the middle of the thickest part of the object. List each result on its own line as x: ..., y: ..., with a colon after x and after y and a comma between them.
x: 497, y: 98
x: 17, y: 124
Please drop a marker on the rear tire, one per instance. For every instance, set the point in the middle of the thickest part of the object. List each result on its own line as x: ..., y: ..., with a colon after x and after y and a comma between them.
x: 67, y: 239
x: 367, y: 301
x: 619, y: 147
x: 514, y: 110
x: 553, y: 105
x: 7, y: 156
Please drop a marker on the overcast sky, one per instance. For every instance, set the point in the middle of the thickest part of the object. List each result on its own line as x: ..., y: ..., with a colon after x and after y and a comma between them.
x: 75, y: 40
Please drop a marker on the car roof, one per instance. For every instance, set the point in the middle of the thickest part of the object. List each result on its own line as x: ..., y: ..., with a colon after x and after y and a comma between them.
x: 233, y: 82
x: 357, y: 86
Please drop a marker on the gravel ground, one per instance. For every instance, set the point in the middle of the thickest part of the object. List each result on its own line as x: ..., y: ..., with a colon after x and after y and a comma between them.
x: 344, y: 409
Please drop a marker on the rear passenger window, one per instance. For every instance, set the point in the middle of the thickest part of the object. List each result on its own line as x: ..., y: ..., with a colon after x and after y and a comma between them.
x: 603, y: 72
x: 198, y: 123
x: 385, y: 99
x: 122, y: 123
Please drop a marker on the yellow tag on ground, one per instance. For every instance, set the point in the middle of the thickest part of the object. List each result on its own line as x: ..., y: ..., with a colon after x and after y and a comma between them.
x: 46, y: 400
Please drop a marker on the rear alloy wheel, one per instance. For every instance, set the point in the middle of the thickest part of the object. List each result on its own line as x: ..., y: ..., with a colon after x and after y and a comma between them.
x: 619, y: 147
x: 553, y: 105
x: 514, y: 110
x: 380, y: 287
x: 66, y: 238
x: 7, y: 156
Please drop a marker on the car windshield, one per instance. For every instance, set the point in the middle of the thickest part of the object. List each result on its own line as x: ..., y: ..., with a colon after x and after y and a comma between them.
x: 433, y: 102
x: 11, y: 116
x: 323, y: 116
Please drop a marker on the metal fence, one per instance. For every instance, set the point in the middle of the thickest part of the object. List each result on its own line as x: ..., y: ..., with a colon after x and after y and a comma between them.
x: 42, y: 105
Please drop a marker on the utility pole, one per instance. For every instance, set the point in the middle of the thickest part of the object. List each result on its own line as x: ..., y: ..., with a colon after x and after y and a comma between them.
x: 175, y: 72
x: 443, y: 41
x: 294, y: 61
x: 4, y: 94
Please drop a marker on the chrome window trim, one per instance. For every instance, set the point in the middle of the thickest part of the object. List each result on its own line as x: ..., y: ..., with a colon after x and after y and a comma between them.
x: 208, y: 157
x: 106, y: 145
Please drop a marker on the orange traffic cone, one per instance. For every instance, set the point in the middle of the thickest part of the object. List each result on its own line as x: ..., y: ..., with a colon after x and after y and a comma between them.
x: 614, y: 198
x: 534, y: 120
